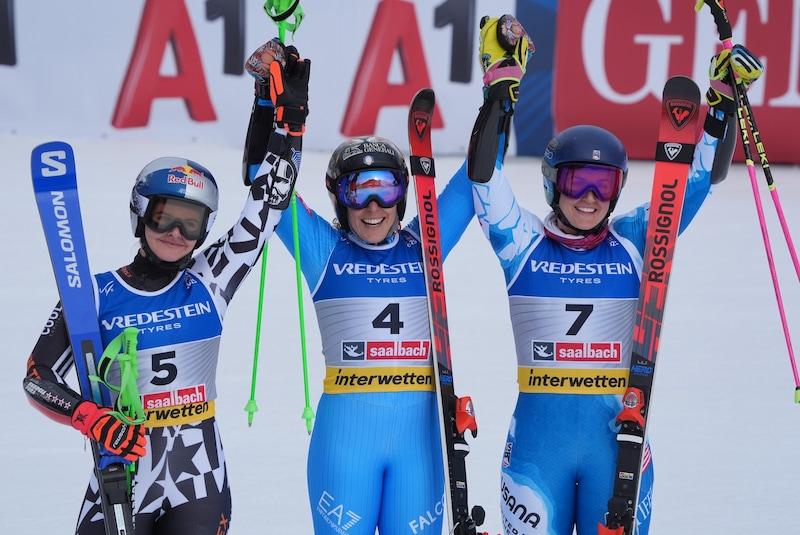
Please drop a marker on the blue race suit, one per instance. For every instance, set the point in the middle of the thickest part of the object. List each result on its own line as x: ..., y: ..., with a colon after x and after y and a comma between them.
x: 573, y: 314
x: 375, y: 456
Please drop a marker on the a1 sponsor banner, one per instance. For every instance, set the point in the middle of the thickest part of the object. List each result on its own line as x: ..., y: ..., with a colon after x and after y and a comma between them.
x: 173, y: 69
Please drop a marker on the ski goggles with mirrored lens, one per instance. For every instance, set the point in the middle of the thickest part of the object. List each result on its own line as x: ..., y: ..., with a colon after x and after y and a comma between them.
x: 575, y: 179
x: 384, y: 186
x: 165, y: 213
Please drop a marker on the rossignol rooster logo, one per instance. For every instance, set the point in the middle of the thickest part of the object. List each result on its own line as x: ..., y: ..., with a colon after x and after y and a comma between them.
x: 680, y: 111
x: 420, y: 120
x: 672, y: 150
x: 427, y: 165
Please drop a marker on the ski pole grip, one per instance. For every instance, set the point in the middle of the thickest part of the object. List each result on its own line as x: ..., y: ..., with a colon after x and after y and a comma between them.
x: 129, y: 340
x: 720, y: 18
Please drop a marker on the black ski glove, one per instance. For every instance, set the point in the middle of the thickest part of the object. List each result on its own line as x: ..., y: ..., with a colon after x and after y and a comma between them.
x: 288, y: 87
x: 257, y: 65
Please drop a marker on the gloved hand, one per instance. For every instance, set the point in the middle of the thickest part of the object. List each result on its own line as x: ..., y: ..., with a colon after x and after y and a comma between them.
x: 747, y: 68
x: 257, y: 65
x: 288, y: 88
x: 104, y: 426
x: 505, y: 48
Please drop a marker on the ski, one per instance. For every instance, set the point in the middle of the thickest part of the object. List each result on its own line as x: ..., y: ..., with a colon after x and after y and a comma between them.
x: 56, y: 188
x: 677, y: 136
x: 455, y: 414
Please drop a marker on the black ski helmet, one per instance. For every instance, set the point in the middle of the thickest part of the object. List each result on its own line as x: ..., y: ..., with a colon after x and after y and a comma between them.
x: 176, y: 178
x: 358, y: 154
x: 582, y: 144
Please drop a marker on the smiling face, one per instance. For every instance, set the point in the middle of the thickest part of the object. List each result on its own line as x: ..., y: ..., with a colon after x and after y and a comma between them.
x: 372, y: 223
x: 584, y: 213
x: 171, y: 245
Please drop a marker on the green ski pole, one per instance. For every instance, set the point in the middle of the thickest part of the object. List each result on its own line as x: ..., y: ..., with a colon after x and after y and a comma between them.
x: 308, y: 412
x: 279, y: 11
x: 128, y: 406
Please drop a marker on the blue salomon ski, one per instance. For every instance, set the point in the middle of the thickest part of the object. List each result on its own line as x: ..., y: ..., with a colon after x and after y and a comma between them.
x: 56, y: 187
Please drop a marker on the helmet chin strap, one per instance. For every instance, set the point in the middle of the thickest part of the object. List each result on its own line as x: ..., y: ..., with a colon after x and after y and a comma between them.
x: 156, y: 261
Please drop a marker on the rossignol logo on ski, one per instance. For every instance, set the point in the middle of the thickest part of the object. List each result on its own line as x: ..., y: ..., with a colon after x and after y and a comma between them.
x: 681, y: 112
x: 672, y: 150
x: 420, y: 120
x: 663, y: 212
x: 427, y: 165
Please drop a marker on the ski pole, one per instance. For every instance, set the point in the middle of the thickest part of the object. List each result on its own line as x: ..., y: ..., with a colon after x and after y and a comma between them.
x: 773, y: 188
x: 128, y: 406
x: 252, y: 407
x: 280, y: 10
x: 283, y: 9
x: 308, y: 412
x: 725, y: 35
x: 122, y: 349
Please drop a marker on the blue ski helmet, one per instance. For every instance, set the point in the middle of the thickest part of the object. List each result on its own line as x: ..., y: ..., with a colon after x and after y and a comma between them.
x: 175, y: 178
x: 360, y: 154
x: 582, y: 144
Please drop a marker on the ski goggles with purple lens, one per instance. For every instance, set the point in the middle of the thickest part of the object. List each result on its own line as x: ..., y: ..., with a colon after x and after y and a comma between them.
x: 165, y: 213
x: 384, y: 186
x: 575, y: 179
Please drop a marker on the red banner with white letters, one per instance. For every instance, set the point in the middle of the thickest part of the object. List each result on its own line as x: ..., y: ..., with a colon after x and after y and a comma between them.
x: 612, y: 59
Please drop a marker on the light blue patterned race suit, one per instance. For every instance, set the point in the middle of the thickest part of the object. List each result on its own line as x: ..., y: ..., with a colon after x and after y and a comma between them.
x: 375, y: 455
x: 573, y: 314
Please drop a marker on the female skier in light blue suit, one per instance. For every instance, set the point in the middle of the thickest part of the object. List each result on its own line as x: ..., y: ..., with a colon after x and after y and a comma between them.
x: 573, y: 284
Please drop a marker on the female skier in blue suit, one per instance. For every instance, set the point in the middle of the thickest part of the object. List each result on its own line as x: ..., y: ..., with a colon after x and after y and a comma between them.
x: 573, y: 285
x: 375, y: 457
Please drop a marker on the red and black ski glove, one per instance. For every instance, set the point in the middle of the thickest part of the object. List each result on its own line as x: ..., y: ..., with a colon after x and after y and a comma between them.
x: 288, y: 87
x: 103, y: 426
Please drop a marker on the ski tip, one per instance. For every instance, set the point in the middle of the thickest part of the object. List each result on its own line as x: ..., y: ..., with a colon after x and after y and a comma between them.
x: 52, y: 150
x: 53, y: 161
x: 682, y: 86
x: 424, y: 99
x: 420, y: 116
x: 53, y: 145
x: 681, y: 102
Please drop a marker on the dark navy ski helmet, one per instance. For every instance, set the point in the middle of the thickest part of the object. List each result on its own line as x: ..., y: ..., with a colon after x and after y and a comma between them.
x: 584, y: 144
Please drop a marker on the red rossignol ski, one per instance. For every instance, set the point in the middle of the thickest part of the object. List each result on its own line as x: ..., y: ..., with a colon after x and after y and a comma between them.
x: 677, y: 136
x: 455, y: 414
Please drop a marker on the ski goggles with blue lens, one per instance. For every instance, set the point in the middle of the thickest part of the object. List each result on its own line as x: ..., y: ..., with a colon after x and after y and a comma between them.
x: 165, y: 213
x: 575, y: 179
x: 384, y: 186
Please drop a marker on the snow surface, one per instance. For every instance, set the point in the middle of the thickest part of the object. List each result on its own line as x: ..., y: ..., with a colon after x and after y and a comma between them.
x: 724, y: 427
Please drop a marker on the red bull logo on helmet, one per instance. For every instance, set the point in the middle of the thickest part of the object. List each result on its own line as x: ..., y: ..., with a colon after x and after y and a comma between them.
x: 188, y: 175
